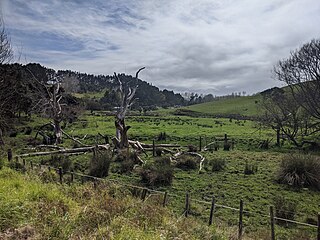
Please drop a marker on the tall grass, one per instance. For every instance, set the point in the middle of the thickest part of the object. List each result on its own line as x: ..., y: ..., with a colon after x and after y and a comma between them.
x: 300, y: 170
x: 30, y: 209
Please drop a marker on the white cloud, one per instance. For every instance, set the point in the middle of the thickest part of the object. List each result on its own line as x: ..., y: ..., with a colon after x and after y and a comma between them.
x: 206, y: 45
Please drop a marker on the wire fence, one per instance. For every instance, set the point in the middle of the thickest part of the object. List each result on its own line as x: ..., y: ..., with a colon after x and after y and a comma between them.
x: 146, y: 192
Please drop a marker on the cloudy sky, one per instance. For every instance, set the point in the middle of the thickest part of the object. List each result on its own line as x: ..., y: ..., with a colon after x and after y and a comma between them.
x: 207, y: 46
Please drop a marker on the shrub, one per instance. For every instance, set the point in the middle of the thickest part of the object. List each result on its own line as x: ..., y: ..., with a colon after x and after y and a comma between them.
x: 300, y: 170
x: 250, y: 169
x: 100, y: 164
x: 186, y: 162
x: 163, y: 161
x: 157, y: 174
x: 126, y: 166
x: 126, y: 161
x: 218, y: 164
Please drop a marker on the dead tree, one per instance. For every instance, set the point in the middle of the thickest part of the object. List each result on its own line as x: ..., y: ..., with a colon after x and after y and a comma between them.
x: 127, y: 99
x: 6, y: 53
x: 56, y: 110
x: 50, y: 96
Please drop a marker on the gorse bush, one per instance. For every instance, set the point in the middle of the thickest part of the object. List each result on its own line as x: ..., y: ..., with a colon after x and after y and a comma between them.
x: 300, y: 170
x: 100, y: 164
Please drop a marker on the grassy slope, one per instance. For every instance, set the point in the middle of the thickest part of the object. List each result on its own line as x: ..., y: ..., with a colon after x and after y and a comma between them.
x: 241, y: 105
x: 30, y: 208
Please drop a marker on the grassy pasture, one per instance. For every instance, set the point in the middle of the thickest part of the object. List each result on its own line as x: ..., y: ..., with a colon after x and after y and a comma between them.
x: 246, y: 106
x: 258, y: 191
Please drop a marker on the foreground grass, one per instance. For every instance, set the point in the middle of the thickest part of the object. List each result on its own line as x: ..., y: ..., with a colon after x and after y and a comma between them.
x: 35, y: 210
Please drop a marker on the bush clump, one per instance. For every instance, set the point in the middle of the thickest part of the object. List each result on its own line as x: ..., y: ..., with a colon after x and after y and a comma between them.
x: 218, y: 164
x: 126, y: 161
x: 300, y: 170
x: 159, y: 173
x: 186, y: 162
x: 100, y: 164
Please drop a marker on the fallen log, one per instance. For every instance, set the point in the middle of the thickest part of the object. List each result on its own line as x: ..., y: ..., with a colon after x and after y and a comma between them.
x: 145, y: 145
x: 73, y: 139
x: 66, y: 151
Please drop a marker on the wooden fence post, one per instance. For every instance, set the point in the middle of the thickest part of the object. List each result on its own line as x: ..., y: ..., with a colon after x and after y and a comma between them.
x: 212, y: 210
x: 71, y: 177
x: 272, y: 223
x: 200, y: 143
x: 144, y: 194
x: 240, y: 220
x: 187, y: 205
x: 24, y: 162
x: 9, y: 155
x: 31, y: 164
x: 153, y: 148
x: 165, y: 199
x: 318, y: 237
x: 60, y: 175
x: 49, y: 168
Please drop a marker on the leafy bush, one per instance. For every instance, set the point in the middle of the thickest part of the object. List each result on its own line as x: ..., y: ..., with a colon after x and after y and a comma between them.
x: 100, y: 164
x: 186, y: 162
x: 250, y: 169
x: 218, y: 164
x: 300, y: 170
x: 157, y: 174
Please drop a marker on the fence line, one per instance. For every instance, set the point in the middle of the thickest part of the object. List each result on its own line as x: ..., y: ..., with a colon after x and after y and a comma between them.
x: 166, y: 194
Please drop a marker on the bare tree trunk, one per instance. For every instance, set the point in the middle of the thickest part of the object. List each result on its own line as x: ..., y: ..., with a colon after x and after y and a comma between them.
x: 57, y: 131
x: 1, y: 138
x: 127, y: 100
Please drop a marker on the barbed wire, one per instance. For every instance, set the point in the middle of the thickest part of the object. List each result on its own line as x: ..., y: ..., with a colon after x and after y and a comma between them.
x: 178, y: 196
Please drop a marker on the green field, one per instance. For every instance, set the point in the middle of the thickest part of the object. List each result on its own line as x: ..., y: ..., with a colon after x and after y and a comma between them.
x: 246, y: 106
x: 258, y: 191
